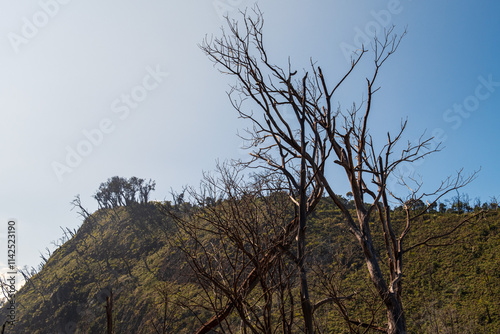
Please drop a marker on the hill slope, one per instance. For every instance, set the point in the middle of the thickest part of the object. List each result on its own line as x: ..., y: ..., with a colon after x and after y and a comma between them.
x: 126, y: 250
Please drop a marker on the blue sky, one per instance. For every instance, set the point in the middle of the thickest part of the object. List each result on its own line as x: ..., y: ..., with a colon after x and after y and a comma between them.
x: 69, y: 67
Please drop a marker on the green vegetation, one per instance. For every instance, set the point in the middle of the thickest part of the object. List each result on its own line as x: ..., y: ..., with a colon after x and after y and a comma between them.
x: 132, y: 251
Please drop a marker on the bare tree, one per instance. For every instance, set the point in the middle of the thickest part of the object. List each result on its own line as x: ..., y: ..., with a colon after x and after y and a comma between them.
x: 109, y: 312
x: 318, y: 136
x: 240, y: 250
x: 493, y: 203
x: 166, y: 307
x: 226, y: 248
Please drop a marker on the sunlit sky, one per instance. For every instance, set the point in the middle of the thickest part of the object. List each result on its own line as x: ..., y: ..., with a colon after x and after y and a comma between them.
x: 69, y: 68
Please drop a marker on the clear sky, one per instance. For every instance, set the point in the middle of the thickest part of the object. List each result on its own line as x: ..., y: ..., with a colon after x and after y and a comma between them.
x: 125, y: 83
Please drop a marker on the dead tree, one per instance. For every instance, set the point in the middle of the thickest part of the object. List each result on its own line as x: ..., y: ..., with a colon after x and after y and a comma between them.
x: 320, y: 136
x: 109, y: 312
x: 240, y: 249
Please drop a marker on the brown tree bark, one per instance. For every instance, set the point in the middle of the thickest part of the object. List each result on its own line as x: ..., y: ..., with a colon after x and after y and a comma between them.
x: 305, y: 300
x: 109, y: 313
x: 335, y: 138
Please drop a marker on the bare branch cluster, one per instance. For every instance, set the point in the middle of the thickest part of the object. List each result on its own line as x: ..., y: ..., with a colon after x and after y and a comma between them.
x: 318, y: 136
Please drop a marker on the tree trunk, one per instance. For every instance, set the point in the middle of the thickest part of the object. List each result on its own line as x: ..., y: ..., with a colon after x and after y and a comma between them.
x: 109, y: 312
x: 396, y: 322
x: 301, y: 235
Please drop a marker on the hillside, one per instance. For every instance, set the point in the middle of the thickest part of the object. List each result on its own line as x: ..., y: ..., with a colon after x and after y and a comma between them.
x: 124, y: 250
x: 132, y: 252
